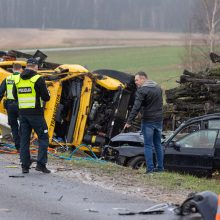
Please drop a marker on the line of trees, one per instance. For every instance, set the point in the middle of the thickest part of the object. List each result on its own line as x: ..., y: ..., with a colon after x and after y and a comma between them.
x: 157, y: 15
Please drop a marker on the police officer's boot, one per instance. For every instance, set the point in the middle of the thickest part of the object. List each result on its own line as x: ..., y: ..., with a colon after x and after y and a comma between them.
x: 25, y: 169
x: 42, y: 168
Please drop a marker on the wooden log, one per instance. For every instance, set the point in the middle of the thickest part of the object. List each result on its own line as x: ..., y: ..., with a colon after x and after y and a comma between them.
x: 187, y: 79
x: 215, y: 98
x: 189, y: 100
x: 199, y: 75
x: 187, y: 73
x: 211, y: 87
x: 184, y: 92
x: 204, y: 106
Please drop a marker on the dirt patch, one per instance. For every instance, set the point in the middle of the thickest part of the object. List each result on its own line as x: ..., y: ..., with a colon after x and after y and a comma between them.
x: 123, y: 180
x: 35, y: 38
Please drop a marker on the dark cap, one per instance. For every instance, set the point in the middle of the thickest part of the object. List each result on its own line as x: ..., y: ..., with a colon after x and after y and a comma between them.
x: 32, y: 61
x: 2, y: 53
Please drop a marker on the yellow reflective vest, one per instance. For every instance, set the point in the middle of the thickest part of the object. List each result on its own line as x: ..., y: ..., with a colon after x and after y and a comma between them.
x: 26, y: 92
x: 9, y: 86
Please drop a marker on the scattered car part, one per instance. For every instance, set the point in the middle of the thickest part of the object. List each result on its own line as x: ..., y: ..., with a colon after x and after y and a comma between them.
x: 156, y: 209
x: 16, y: 176
x: 205, y: 203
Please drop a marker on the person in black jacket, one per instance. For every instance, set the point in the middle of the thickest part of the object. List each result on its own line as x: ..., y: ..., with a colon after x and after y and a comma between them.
x: 149, y: 101
x: 10, y: 104
x: 30, y: 90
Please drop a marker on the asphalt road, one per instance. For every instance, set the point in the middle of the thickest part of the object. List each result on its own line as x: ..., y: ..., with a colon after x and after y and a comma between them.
x: 39, y: 196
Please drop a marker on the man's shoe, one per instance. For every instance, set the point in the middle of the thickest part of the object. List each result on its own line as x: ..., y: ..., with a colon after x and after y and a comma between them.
x: 150, y: 172
x: 25, y: 169
x: 157, y: 170
x: 42, y: 168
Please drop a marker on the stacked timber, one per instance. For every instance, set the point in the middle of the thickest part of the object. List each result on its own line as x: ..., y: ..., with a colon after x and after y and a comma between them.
x: 197, y: 94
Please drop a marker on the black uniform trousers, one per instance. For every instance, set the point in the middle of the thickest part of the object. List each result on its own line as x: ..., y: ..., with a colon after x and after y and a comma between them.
x: 13, y: 117
x: 38, y: 123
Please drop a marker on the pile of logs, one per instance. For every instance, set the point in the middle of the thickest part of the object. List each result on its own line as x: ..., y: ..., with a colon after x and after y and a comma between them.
x: 197, y: 94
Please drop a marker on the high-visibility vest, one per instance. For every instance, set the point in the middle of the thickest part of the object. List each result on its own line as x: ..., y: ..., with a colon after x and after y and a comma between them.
x: 9, y: 86
x: 26, y: 92
x: 217, y: 217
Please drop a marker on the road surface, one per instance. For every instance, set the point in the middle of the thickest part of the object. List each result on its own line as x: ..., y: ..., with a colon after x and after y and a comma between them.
x: 39, y: 196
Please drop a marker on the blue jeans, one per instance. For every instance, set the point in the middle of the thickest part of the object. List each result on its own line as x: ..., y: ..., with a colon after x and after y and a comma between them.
x: 152, y: 138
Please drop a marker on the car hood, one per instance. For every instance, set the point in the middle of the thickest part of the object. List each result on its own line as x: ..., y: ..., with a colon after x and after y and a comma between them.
x: 129, y: 137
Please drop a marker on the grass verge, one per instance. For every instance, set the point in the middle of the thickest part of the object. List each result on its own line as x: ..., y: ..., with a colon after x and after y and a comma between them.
x: 164, y: 183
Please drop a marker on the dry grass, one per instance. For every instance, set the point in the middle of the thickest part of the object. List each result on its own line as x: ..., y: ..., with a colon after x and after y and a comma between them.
x: 36, y: 38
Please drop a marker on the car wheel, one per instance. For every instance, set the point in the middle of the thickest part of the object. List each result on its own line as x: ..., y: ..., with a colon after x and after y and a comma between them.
x: 137, y: 162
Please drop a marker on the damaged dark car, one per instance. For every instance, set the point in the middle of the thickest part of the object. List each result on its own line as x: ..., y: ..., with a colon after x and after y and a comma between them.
x: 193, y: 148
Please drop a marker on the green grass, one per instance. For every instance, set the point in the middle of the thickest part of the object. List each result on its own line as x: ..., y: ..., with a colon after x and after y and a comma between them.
x: 167, y: 181
x: 161, y: 63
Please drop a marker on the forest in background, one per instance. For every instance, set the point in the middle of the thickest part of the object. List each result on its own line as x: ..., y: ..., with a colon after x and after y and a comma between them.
x: 147, y: 15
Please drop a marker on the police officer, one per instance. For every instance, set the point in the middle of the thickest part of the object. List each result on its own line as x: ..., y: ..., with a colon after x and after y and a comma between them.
x: 30, y: 90
x: 11, y: 104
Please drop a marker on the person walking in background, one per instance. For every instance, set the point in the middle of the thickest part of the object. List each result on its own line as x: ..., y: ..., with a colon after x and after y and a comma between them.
x: 149, y: 101
x: 30, y: 90
x: 10, y: 104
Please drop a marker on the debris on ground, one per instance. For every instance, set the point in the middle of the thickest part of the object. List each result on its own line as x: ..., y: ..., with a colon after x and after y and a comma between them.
x: 11, y: 166
x: 156, y: 209
x: 91, y: 210
x: 16, y: 176
x: 60, y: 198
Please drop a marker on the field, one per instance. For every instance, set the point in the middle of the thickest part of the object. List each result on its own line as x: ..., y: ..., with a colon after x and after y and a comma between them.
x: 161, y: 63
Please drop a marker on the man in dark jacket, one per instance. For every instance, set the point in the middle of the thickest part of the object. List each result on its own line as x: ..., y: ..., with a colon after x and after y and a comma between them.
x: 10, y: 104
x: 149, y: 101
x: 30, y: 90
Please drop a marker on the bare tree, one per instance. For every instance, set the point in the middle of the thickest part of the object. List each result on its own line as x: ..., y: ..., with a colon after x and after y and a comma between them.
x: 212, y: 10
x: 206, y: 21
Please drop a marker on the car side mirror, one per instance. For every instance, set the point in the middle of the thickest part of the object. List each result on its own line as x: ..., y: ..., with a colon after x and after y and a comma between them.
x: 177, y: 146
x: 172, y: 144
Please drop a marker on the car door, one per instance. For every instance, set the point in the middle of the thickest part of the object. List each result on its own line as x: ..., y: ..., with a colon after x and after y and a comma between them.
x: 194, y: 153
